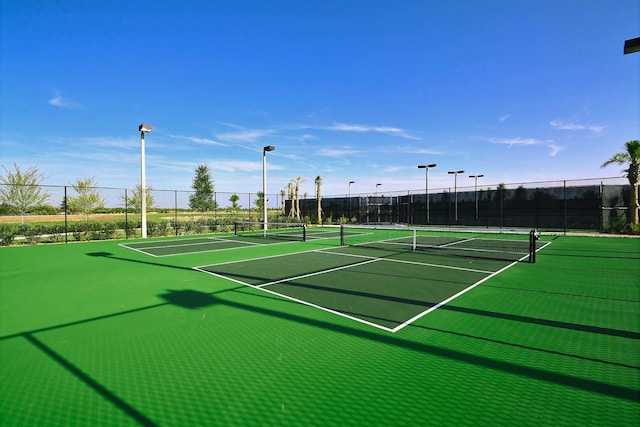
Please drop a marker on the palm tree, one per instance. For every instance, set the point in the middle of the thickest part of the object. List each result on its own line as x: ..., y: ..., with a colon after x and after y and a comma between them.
x: 630, y: 156
x: 292, y: 197
x: 318, y: 182
x: 299, y: 180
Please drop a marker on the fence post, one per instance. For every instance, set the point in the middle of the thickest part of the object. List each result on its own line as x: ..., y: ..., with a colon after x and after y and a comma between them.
x: 564, y: 196
x: 602, y: 207
x: 66, y: 227
x: 126, y: 215
x: 175, y: 211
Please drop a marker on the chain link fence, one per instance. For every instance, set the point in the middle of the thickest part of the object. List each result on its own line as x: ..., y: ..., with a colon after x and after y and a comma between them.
x: 53, y: 214
x: 65, y: 214
x: 592, y: 204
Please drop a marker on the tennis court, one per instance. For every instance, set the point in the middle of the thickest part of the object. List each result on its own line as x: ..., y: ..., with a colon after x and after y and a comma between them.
x: 387, y: 284
x: 361, y: 326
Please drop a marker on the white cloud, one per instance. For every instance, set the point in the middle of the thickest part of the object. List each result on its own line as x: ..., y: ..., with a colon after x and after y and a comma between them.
x: 560, y: 125
x: 59, y: 101
x: 504, y: 117
x: 335, y: 152
x: 518, y: 141
x: 424, y: 151
x: 378, y: 129
x: 555, y: 149
x: 198, y: 140
x: 245, y: 135
x: 241, y: 165
x: 107, y: 142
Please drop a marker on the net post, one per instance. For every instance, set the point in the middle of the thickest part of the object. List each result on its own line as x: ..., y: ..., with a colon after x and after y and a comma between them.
x: 532, y: 246
x: 414, y: 245
x: 304, y: 232
x: 235, y: 228
x: 341, y: 234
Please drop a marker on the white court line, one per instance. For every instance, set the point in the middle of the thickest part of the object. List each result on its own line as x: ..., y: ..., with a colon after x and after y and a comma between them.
x: 426, y: 264
x: 243, y: 245
x: 451, y: 298
x: 263, y: 288
x: 368, y: 260
x: 290, y: 298
x: 317, y: 273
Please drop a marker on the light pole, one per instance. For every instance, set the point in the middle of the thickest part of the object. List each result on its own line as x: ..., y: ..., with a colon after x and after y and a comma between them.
x: 264, y: 185
x: 455, y: 190
x: 143, y: 128
x: 426, y: 187
x: 377, y: 203
x: 476, y: 191
x: 350, y: 182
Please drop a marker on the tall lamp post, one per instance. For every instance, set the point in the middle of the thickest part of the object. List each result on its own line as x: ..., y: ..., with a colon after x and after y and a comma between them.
x: 426, y: 187
x: 350, y: 182
x: 377, y: 203
x: 455, y: 190
x: 476, y: 190
x: 143, y: 128
x: 264, y: 185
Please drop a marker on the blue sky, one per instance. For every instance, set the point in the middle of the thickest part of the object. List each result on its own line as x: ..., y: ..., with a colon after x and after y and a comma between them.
x: 517, y: 90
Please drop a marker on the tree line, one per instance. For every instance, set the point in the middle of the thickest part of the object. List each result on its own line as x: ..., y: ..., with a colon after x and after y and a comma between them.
x: 22, y: 192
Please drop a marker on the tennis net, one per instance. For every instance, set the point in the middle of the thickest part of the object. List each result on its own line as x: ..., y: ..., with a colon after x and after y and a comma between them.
x: 486, y: 244
x: 274, y: 230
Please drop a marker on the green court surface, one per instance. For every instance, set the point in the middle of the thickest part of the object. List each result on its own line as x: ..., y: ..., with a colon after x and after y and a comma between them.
x: 237, y: 330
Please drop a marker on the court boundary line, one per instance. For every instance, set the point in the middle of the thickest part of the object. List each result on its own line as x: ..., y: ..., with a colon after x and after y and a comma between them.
x: 244, y: 246
x: 402, y: 261
x: 262, y: 287
x: 451, y: 298
x: 299, y: 301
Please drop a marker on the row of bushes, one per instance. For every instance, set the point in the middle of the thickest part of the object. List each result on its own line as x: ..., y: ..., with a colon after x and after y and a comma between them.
x: 104, y: 230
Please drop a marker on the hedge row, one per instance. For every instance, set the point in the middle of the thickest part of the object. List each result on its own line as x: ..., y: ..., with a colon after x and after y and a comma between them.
x: 104, y: 230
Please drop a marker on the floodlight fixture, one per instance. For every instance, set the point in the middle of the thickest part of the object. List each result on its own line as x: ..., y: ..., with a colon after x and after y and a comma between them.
x: 632, y: 46
x: 269, y: 148
x: 145, y: 127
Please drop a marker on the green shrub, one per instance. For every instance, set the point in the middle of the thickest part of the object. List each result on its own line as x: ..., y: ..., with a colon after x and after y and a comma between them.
x: 7, y: 234
x: 634, y: 228
x: 616, y: 224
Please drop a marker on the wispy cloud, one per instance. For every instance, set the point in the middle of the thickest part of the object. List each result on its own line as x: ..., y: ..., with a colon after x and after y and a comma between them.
x: 253, y: 135
x: 336, y: 152
x: 423, y: 151
x: 58, y: 101
x: 343, y: 127
x: 555, y: 149
x: 504, y: 117
x: 241, y: 166
x: 197, y: 140
x: 560, y: 125
x: 518, y: 141
x: 108, y: 142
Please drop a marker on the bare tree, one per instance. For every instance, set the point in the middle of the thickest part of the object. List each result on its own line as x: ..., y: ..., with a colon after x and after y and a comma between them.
x: 88, y: 198
x: 22, y: 190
